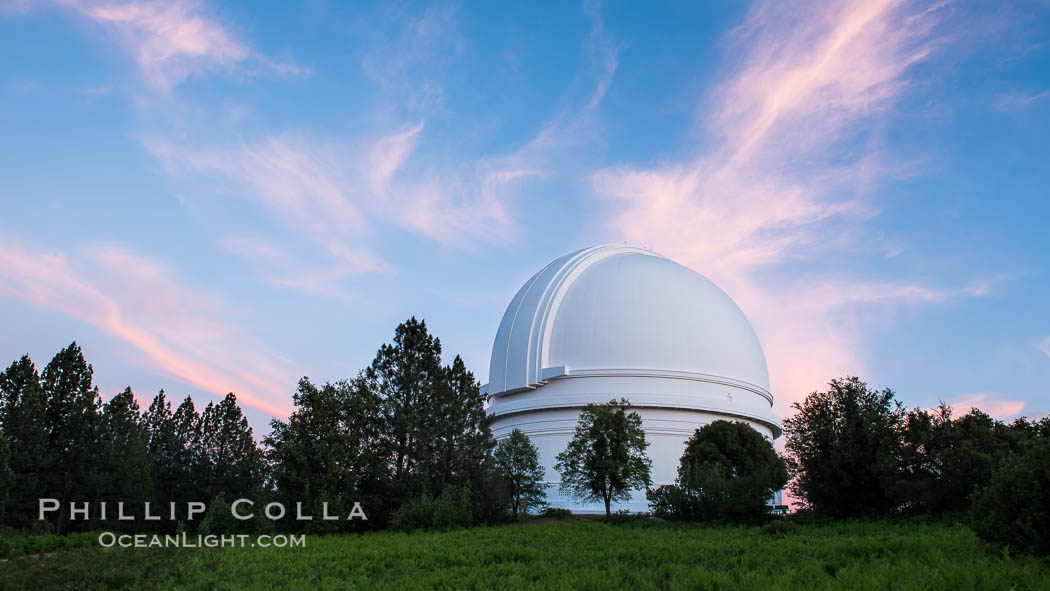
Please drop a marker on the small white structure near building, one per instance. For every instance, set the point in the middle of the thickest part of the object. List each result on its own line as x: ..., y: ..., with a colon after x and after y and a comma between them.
x: 617, y: 321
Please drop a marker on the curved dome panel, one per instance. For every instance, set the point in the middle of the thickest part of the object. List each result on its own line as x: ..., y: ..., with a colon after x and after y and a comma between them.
x: 650, y: 313
x: 617, y: 309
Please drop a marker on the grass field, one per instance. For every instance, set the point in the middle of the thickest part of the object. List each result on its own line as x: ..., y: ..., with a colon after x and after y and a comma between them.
x: 566, y: 555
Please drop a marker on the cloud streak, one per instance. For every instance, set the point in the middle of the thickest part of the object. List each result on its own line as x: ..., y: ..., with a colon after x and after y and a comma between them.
x: 184, y: 332
x: 792, y: 159
x: 990, y: 403
x: 171, y: 40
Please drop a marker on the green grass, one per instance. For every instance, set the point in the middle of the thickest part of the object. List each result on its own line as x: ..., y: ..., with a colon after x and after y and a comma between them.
x: 568, y: 555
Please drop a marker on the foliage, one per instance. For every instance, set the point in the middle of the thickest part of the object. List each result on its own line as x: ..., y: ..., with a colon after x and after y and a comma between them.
x: 556, y: 513
x: 842, y: 555
x: 448, y: 510
x: 219, y: 520
x: 1014, y: 508
x: 728, y: 471
x: 321, y: 453
x: 64, y: 443
x: 605, y: 460
x: 945, y: 458
x: 432, y: 427
x: 518, y: 463
x: 844, y: 449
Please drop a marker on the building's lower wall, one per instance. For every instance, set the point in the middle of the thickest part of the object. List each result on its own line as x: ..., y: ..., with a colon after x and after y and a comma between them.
x: 666, y: 430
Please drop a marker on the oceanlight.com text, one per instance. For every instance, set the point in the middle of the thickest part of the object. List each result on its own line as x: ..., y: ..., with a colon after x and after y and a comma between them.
x: 111, y: 539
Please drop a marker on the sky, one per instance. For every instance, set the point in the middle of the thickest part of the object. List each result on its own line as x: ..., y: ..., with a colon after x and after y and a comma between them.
x: 213, y: 197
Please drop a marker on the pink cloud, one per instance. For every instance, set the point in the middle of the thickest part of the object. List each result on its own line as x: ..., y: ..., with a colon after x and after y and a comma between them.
x: 171, y: 40
x: 183, y: 332
x: 988, y: 402
x: 784, y: 176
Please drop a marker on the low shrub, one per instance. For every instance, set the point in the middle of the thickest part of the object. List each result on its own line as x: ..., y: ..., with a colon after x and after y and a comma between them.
x: 621, y: 517
x: 556, y: 513
x: 448, y: 510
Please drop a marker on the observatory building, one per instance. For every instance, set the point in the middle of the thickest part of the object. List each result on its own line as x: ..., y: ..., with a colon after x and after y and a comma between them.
x: 616, y: 321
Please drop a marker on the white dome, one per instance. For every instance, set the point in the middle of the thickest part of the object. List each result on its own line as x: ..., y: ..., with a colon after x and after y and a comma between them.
x: 616, y: 321
x: 615, y: 310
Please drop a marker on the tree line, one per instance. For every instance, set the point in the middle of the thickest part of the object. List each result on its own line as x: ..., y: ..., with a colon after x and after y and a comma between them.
x: 408, y: 439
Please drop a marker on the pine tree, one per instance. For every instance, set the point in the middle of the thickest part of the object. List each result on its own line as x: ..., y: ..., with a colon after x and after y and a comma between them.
x: 404, y: 378
x: 71, y: 417
x: 229, y: 459
x: 322, y: 454
x: 30, y: 458
x: 518, y: 463
x: 606, y: 458
x: 123, y: 473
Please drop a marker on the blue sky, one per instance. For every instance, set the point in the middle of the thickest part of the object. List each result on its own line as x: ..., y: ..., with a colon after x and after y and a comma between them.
x: 212, y: 197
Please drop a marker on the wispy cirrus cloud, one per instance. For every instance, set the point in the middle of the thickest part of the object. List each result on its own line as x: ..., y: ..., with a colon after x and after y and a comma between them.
x: 788, y: 169
x: 334, y: 194
x: 182, y: 331
x: 337, y: 193
x: 171, y: 40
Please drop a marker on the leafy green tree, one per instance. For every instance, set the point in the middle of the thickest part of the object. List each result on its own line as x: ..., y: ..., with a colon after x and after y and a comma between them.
x: 1014, y: 508
x: 728, y: 471
x: 844, y: 449
x: 23, y: 422
x: 606, y: 458
x: 946, y: 458
x: 518, y: 463
x: 230, y: 461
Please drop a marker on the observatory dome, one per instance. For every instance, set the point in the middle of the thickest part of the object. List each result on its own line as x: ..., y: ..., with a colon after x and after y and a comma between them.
x: 617, y: 321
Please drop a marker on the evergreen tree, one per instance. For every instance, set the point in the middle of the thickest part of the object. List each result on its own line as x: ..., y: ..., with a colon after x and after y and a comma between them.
x: 123, y: 464
x: 404, y: 377
x: 228, y: 458
x: 431, y: 426
x: 322, y: 454
x: 606, y: 458
x: 518, y: 463
x: 461, y: 440
x: 844, y: 449
x: 23, y: 422
x: 71, y: 417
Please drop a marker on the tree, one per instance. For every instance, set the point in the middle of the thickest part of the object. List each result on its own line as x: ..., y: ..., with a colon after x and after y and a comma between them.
x: 404, y: 377
x: 606, y: 458
x: 71, y: 418
x: 230, y: 460
x: 123, y: 464
x: 30, y: 455
x: 945, y: 458
x: 844, y: 449
x: 1014, y: 508
x: 728, y: 471
x: 462, y: 439
x: 322, y: 454
x: 518, y: 463
x: 432, y: 429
